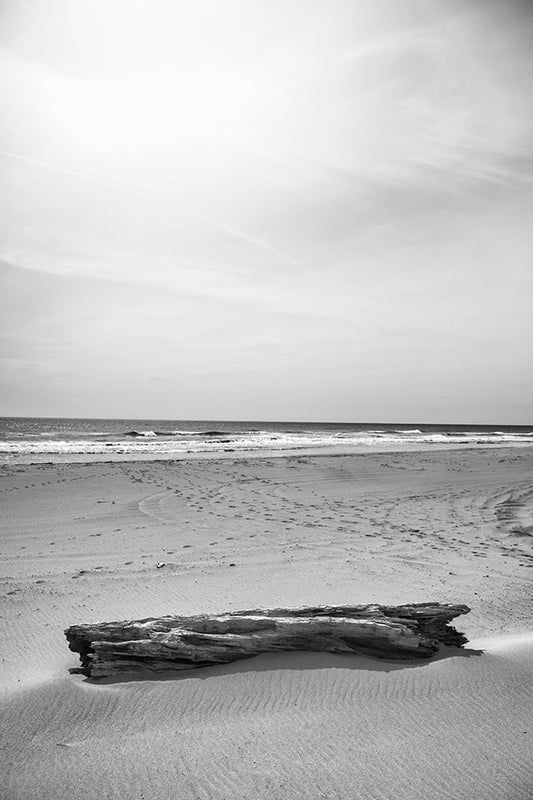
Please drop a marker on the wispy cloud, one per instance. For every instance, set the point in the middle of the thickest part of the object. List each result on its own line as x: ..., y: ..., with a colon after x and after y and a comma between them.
x: 161, y: 199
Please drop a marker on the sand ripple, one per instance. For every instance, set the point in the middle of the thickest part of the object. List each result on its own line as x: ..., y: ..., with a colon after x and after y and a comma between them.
x: 294, y: 725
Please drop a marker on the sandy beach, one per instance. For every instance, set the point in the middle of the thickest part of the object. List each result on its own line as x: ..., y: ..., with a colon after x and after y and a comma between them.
x: 80, y: 543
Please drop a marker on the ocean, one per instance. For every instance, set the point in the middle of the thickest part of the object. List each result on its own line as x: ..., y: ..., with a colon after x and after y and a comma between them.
x: 26, y: 439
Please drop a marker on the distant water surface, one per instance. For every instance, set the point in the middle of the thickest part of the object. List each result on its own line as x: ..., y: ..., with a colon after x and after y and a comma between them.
x: 24, y: 437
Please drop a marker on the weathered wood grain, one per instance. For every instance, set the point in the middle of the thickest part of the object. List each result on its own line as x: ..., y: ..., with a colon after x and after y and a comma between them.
x: 178, y: 643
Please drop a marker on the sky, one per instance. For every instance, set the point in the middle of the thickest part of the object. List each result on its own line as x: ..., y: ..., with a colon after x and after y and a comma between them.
x: 267, y: 209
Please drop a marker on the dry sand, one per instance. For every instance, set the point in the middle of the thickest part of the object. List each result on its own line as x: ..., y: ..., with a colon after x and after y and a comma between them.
x: 80, y: 543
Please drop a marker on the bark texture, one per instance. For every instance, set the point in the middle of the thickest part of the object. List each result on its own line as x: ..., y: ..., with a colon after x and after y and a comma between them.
x: 178, y: 643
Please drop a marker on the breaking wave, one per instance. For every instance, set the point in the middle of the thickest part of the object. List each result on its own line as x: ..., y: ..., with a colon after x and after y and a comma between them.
x: 150, y: 443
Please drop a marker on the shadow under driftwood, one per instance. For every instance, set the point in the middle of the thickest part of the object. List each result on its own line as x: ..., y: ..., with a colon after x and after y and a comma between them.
x: 297, y: 661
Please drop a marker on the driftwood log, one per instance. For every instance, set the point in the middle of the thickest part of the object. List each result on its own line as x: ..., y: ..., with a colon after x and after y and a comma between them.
x: 177, y: 643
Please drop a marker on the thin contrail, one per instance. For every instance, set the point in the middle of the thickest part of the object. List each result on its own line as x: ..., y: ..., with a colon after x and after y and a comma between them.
x: 221, y: 226
x: 258, y: 242
x: 75, y: 174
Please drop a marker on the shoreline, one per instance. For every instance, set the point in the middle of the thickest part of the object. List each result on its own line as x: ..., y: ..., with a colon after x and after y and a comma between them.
x: 236, y: 454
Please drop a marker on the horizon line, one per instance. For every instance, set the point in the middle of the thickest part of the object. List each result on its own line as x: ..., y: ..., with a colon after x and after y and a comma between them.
x: 275, y: 421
